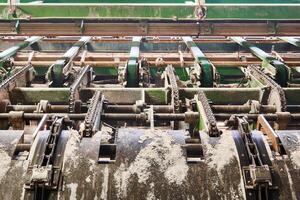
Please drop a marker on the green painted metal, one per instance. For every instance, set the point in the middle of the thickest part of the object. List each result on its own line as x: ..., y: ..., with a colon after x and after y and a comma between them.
x: 257, y: 11
x: 207, y: 68
x: 6, y: 54
x: 14, y: 49
x: 279, y: 69
x: 294, y: 70
x: 114, y: 1
x: 153, y: 11
x: 132, y: 69
x: 34, y: 95
x: 229, y: 75
x: 291, y: 40
x: 182, y: 73
x: 201, y: 125
x: 292, y: 96
x: 166, y: 1
x: 156, y: 96
x: 60, y: 67
x: 252, y: 1
x: 158, y: 11
x: 111, y: 71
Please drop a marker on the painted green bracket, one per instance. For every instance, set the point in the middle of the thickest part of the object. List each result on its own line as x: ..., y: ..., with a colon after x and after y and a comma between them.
x: 62, y: 66
x: 295, y: 42
x: 291, y: 40
x: 278, y: 69
x: 6, y: 54
x: 203, y: 65
x: 132, y: 69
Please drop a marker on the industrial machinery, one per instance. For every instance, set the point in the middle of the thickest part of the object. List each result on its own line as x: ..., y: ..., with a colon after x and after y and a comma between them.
x: 150, y: 100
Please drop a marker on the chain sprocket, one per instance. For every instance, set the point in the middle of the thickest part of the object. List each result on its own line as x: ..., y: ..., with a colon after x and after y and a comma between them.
x: 276, y: 96
x: 174, y: 87
x: 75, y: 87
x: 92, y: 118
x: 211, y: 120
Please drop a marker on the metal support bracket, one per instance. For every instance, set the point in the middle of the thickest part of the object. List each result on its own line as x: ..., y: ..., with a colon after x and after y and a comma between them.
x: 204, y: 70
x: 279, y: 70
x: 132, y: 67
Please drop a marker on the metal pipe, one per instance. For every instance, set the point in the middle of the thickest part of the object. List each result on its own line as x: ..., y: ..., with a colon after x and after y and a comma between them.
x: 134, y: 109
x: 22, y: 147
x: 32, y: 108
x: 109, y: 116
x: 293, y: 108
x: 269, y: 117
x: 109, y: 108
x: 241, y: 108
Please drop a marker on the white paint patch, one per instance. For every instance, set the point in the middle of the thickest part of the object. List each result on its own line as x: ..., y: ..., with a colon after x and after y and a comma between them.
x: 162, y: 152
x: 5, y: 162
x: 73, y: 188
x: 105, y: 183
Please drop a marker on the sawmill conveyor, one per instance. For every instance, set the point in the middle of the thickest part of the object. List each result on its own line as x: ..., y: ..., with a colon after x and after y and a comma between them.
x: 152, y: 100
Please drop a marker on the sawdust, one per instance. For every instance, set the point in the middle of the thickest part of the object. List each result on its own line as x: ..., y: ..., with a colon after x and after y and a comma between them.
x: 294, y: 197
x: 73, y: 188
x: 72, y: 148
x: 161, y: 152
x: 222, y: 153
x: 150, y: 194
x: 295, y: 157
x: 5, y: 162
x: 88, y: 179
x: 105, y: 183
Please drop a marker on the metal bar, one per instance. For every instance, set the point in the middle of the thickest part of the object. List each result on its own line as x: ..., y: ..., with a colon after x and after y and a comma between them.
x: 153, y: 11
x: 40, y: 125
x: 204, y: 67
x: 109, y: 116
x: 148, y: 39
x: 241, y: 108
x: 291, y: 40
x: 4, y: 55
x: 152, y: 56
x: 269, y: 117
x: 277, y: 68
x: 11, y: 81
x: 71, y: 27
x: 264, y: 126
x: 132, y: 67
x: 62, y: 66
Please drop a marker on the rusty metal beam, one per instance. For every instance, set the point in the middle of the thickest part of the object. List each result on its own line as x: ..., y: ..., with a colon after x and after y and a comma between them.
x: 96, y: 27
x: 107, y: 59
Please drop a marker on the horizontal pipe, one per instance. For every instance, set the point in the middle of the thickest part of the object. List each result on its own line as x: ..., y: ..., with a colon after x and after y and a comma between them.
x: 108, y: 108
x: 106, y: 64
x: 241, y: 109
x: 133, y: 109
x: 107, y: 116
x: 92, y: 27
x: 270, y: 117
